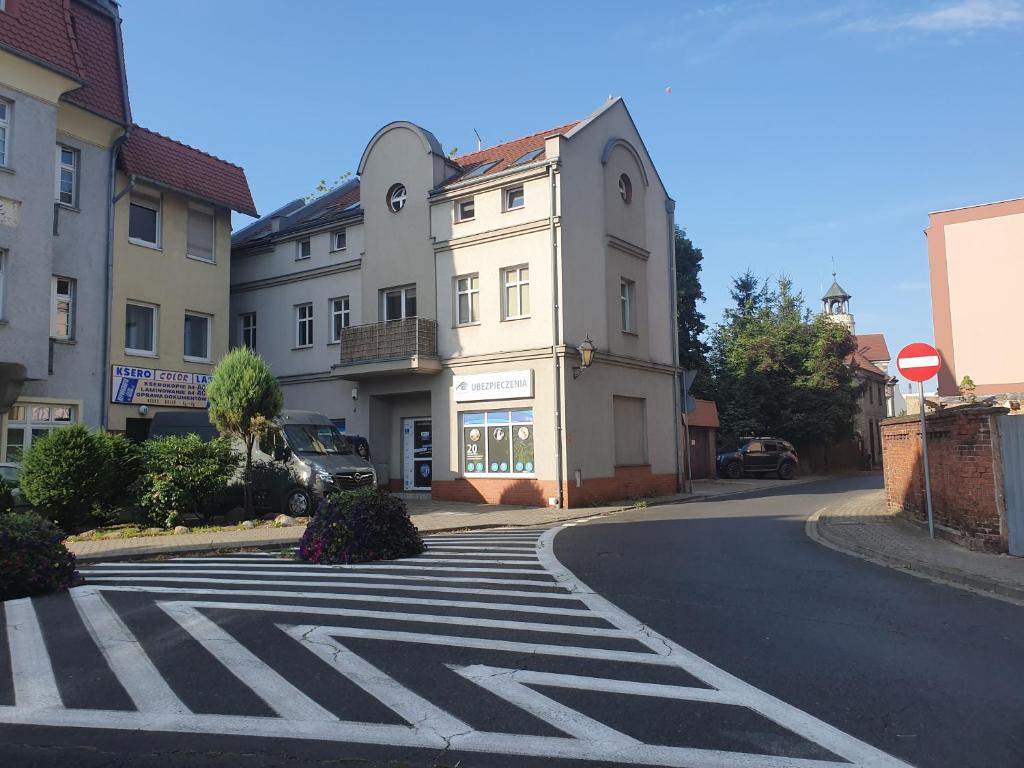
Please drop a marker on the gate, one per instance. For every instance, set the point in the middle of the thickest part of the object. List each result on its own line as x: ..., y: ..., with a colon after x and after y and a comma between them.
x: 1011, y: 430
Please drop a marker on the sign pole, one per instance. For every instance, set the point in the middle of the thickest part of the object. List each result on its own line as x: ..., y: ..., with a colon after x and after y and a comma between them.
x: 927, y: 474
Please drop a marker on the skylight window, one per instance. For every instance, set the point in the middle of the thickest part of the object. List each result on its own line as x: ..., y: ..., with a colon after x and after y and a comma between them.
x: 480, y: 170
x: 529, y: 156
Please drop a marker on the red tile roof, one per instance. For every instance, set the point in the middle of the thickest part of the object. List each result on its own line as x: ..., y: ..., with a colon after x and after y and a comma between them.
x: 178, y: 166
x: 704, y: 415
x: 76, y: 39
x: 873, y: 346
x: 860, y: 361
x: 507, y: 153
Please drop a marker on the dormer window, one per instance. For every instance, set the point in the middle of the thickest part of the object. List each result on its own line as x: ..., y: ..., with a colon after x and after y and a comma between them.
x: 465, y: 210
x: 514, y: 198
x: 396, y: 197
x: 625, y: 189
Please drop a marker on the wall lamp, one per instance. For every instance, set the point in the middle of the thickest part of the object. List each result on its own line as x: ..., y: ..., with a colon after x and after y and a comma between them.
x: 586, y: 350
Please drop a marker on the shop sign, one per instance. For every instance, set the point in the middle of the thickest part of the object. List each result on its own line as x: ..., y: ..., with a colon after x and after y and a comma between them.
x: 506, y: 385
x: 149, y: 386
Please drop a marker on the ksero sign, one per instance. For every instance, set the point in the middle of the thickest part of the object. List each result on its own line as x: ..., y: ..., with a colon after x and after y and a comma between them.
x: 506, y: 385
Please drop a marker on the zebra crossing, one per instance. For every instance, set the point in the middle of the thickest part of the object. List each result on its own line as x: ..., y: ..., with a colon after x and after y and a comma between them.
x: 485, y: 645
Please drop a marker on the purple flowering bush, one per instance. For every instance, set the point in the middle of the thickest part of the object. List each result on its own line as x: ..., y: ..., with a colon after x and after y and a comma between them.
x: 359, y: 526
x: 33, y: 559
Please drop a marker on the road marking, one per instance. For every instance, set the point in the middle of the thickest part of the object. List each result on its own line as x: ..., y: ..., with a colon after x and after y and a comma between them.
x: 546, y: 582
x: 127, y: 660
x: 34, y: 684
x: 347, y: 585
x: 280, y: 695
x: 413, y: 708
x: 471, y: 604
x: 295, y: 569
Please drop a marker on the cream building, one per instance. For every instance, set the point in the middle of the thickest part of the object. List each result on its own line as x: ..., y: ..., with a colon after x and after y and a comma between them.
x: 436, y: 306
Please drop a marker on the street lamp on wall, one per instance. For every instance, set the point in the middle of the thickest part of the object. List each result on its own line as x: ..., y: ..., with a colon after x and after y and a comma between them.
x: 586, y: 350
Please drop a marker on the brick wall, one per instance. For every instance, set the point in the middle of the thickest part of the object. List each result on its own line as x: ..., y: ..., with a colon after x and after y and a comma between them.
x: 965, y: 501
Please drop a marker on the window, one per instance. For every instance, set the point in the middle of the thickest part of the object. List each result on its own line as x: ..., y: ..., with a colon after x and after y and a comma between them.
x: 27, y: 422
x: 62, y: 303
x: 5, y: 125
x: 630, y: 424
x: 871, y: 394
x: 396, y: 197
x: 339, y: 240
x: 341, y: 317
x: 201, y: 232
x: 144, y: 221
x: 516, y: 289
x: 399, y: 303
x: 3, y: 281
x: 498, y: 442
x: 140, y: 329
x: 304, y: 325
x: 467, y: 300
x: 67, y: 175
x: 197, y: 337
x: 247, y: 330
x: 305, y: 249
x: 627, y: 296
x: 514, y: 198
x: 625, y: 189
x: 465, y: 209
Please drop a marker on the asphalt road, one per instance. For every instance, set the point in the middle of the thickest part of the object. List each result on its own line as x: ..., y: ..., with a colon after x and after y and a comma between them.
x: 926, y: 672
x: 730, y: 641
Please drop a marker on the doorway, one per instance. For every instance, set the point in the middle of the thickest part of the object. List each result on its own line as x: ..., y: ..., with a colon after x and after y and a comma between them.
x: 417, y: 449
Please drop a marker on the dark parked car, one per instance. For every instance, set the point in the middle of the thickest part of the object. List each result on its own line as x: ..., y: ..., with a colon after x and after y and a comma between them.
x: 760, y: 456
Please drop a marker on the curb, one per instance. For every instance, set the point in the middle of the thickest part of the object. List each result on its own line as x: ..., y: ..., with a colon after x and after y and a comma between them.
x: 954, y: 577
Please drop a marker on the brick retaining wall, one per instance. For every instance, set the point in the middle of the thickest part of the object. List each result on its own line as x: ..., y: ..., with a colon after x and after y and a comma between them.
x: 965, y: 500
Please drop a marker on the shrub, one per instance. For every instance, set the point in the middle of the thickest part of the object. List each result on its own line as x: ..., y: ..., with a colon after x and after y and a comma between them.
x: 32, y: 558
x: 118, y: 464
x: 357, y: 526
x: 59, y: 476
x: 6, y: 496
x: 183, y: 475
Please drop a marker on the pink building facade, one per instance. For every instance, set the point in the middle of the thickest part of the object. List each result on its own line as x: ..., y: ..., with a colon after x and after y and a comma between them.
x: 976, y: 256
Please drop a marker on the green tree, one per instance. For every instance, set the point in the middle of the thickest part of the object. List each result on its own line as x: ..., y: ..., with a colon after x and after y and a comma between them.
x: 59, y: 476
x: 244, y: 400
x: 692, y: 327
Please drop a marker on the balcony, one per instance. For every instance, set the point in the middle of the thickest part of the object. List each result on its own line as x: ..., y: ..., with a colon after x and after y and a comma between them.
x: 391, y: 347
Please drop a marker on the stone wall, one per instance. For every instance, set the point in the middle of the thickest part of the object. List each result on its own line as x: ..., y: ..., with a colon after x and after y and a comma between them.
x: 963, y: 455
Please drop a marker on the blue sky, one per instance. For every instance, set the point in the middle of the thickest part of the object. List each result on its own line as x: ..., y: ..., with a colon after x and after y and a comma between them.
x: 793, y: 133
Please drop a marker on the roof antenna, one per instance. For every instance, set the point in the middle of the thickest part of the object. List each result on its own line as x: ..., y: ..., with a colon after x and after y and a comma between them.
x: 833, y: 267
x: 478, y: 139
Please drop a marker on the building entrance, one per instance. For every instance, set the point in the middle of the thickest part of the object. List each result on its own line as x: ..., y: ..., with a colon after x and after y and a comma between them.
x: 417, y: 445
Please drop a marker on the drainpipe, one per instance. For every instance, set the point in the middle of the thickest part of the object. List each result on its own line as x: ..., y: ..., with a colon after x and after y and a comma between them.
x: 108, y: 310
x: 556, y: 365
x: 670, y: 208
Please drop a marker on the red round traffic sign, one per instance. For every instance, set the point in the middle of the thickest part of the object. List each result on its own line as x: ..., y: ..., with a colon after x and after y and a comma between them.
x: 918, y: 361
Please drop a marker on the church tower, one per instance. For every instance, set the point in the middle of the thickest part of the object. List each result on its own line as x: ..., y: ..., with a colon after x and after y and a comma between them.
x: 836, y: 305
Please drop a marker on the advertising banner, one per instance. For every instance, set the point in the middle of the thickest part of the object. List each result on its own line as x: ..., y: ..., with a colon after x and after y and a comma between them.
x: 150, y: 386
x: 505, y: 385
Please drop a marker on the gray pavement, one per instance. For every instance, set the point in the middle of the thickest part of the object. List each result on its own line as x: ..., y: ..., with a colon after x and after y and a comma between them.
x: 860, y: 524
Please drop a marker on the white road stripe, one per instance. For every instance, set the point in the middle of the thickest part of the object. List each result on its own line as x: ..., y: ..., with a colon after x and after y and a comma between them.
x: 280, y: 695
x: 341, y: 596
x: 416, y: 710
x: 477, y: 549
x: 125, y: 656
x: 346, y: 585
x: 924, y: 361
x: 545, y: 582
x: 501, y: 683
x: 295, y: 569
x: 35, y: 686
x: 443, y: 558
x: 460, y: 621
x: 459, y: 569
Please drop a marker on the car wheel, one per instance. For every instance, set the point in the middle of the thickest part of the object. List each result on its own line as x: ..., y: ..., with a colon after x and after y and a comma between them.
x: 734, y: 470
x: 786, y: 471
x: 297, y: 503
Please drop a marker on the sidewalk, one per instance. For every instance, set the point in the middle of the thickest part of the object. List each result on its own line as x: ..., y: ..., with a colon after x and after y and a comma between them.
x: 861, y: 525
x: 429, y: 516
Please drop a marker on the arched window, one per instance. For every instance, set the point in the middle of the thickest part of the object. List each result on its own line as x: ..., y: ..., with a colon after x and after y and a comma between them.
x: 625, y: 188
x: 396, y: 197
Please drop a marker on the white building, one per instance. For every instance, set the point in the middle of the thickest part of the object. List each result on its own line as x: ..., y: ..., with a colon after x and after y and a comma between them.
x: 435, y: 305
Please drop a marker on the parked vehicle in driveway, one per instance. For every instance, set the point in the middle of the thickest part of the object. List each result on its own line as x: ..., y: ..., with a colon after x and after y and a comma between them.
x: 300, y: 460
x: 760, y: 456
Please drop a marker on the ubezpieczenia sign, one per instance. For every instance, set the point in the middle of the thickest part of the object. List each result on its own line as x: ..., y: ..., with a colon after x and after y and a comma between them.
x: 506, y: 385
x: 150, y: 386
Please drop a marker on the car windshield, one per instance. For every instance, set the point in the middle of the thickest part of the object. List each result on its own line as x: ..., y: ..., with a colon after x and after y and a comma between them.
x: 321, y: 439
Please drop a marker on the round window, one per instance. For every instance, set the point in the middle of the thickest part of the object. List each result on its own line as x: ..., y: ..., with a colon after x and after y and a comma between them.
x: 396, y: 197
x: 625, y: 188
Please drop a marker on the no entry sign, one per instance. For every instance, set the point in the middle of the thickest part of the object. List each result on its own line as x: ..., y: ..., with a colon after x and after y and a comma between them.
x: 918, y: 361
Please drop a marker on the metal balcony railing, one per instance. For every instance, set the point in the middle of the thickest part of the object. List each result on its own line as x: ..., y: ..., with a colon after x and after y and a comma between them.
x: 389, y: 340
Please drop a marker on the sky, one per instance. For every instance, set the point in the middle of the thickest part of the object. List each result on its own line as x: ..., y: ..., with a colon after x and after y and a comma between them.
x: 791, y: 134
